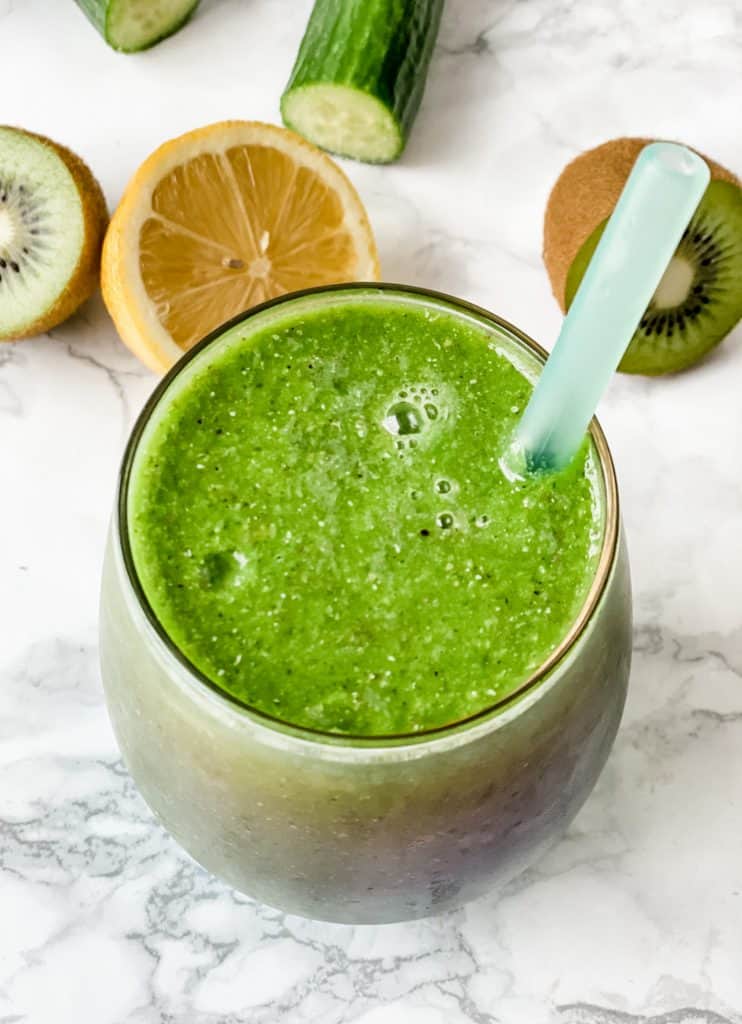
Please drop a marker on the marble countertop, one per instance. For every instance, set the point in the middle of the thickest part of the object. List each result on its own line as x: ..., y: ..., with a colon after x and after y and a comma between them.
x: 636, y: 916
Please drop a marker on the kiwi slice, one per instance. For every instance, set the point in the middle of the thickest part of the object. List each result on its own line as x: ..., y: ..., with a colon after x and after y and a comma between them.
x: 52, y: 221
x: 699, y: 299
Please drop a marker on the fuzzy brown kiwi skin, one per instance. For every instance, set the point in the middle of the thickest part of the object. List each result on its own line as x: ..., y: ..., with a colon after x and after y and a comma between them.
x: 85, y: 277
x: 584, y: 196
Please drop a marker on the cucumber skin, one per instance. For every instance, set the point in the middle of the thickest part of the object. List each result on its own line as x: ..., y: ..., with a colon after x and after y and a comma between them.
x: 380, y: 47
x: 95, y: 10
x: 97, y: 14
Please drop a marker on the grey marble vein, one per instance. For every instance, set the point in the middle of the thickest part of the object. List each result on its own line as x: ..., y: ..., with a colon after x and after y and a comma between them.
x: 582, y: 1013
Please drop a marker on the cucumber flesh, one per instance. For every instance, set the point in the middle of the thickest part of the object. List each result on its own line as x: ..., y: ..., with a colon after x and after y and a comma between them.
x: 131, y: 25
x: 345, y: 121
x: 360, y: 73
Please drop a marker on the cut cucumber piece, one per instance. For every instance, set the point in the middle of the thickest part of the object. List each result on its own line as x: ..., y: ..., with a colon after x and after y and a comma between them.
x: 360, y: 74
x: 131, y: 25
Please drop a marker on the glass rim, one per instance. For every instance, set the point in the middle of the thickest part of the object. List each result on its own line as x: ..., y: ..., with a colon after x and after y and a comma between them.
x: 606, y: 560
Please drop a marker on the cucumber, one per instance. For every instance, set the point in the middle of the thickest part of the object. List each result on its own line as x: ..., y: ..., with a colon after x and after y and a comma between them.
x: 130, y: 25
x: 360, y: 73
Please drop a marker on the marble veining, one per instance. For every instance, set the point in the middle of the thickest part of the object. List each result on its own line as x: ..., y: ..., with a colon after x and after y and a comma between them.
x: 582, y: 1013
x: 636, y: 916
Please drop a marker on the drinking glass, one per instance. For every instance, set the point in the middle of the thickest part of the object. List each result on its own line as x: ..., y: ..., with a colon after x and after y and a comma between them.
x: 366, y: 830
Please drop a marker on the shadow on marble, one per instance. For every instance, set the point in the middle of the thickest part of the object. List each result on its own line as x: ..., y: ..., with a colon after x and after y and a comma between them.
x: 464, y: 67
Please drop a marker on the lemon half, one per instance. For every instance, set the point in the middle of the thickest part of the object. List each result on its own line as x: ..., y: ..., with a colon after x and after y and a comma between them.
x: 219, y: 220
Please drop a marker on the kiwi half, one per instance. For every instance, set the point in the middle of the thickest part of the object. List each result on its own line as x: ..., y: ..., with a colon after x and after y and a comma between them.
x: 52, y: 221
x: 699, y: 299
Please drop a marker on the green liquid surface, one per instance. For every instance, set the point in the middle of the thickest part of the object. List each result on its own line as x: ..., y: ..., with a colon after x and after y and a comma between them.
x: 319, y: 521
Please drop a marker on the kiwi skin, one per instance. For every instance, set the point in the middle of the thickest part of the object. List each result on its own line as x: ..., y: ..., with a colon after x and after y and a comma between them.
x: 85, y: 277
x: 582, y: 200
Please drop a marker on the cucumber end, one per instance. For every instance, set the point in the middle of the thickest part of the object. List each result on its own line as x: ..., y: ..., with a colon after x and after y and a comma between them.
x: 344, y: 121
x: 133, y: 25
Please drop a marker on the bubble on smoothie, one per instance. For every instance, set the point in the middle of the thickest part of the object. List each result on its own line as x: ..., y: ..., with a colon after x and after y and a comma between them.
x: 444, y: 520
x: 403, y: 419
x: 410, y: 415
x: 443, y: 486
x: 216, y: 567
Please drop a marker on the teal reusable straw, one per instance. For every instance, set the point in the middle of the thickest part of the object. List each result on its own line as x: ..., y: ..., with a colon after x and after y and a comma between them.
x: 654, y: 209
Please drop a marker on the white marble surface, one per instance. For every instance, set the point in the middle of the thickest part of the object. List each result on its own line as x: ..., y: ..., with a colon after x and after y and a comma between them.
x: 636, y: 917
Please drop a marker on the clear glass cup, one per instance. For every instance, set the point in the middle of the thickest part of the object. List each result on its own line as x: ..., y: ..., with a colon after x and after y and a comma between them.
x: 366, y: 830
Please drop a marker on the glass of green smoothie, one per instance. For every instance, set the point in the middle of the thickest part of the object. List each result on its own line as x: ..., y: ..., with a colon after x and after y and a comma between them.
x: 355, y: 669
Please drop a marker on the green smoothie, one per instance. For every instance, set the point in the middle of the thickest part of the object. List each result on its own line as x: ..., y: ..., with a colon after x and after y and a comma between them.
x: 319, y: 521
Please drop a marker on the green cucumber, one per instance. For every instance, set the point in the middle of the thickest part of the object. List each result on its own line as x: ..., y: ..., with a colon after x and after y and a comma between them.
x: 360, y: 74
x: 130, y: 25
